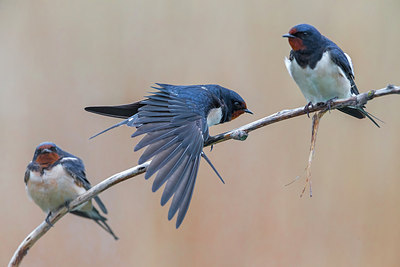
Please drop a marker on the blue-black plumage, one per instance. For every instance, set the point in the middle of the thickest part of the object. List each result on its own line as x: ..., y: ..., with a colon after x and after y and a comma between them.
x: 321, y: 69
x: 175, y: 121
x: 54, y: 177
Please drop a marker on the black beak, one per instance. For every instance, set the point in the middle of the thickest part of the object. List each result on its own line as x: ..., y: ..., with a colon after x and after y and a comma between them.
x: 247, y: 111
x: 288, y: 35
x: 46, y: 150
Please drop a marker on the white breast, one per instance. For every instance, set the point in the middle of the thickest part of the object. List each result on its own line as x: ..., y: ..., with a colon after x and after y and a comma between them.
x: 52, y: 189
x: 214, y: 116
x: 324, y: 82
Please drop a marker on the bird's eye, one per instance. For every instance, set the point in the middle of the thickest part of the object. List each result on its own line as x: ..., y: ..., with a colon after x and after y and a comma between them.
x: 237, y: 104
x: 302, y: 34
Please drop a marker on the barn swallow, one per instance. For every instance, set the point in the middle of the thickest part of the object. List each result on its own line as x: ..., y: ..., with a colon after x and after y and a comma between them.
x: 54, y: 177
x: 175, y: 121
x: 321, y: 69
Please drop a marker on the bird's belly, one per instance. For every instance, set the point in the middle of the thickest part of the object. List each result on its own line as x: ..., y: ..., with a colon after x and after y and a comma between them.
x: 326, y: 81
x: 52, y: 189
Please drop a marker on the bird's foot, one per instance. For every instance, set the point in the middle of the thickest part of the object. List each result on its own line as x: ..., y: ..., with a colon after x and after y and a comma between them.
x: 66, y: 204
x: 329, y: 103
x: 307, y: 108
x: 47, y: 220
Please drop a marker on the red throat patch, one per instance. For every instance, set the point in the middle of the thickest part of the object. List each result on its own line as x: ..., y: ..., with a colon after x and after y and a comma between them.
x: 296, y: 44
x: 236, y: 114
x: 47, y: 159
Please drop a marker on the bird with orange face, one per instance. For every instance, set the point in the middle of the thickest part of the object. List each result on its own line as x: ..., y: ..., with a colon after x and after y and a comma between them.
x: 321, y: 69
x: 175, y: 120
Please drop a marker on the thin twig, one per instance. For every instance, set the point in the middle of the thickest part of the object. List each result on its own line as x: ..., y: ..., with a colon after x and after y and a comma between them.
x: 238, y: 134
x: 36, y: 234
x: 315, y: 124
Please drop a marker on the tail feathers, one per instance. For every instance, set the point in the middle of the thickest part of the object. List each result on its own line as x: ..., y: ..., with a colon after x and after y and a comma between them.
x: 372, y: 117
x: 112, y: 127
x: 106, y: 227
x: 127, y: 112
x: 355, y: 112
x: 121, y: 111
x: 97, y: 218
x: 101, y: 204
x: 359, y: 113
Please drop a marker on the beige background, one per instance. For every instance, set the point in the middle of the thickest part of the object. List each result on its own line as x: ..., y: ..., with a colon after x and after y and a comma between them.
x: 57, y: 57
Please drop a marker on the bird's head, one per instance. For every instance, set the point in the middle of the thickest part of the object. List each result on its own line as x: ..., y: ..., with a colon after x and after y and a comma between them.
x: 304, y: 37
x: 234, y: 105
x: 46, y: 154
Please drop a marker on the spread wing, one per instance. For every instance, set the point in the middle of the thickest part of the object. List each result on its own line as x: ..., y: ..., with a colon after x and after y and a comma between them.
x: 74, y: 167
x: 174, y: 136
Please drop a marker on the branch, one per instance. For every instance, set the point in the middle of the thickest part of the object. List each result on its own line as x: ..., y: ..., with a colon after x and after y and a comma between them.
x: 240, y: 133
x: 36, y: 234
x: 359, y: 100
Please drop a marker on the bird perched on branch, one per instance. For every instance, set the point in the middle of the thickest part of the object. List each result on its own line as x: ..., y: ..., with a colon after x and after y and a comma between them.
x: 321, y: 69
x: 175, y: 122
x: 54, y: 177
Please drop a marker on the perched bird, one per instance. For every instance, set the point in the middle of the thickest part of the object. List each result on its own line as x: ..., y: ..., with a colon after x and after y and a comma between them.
x: 321, y: 69
x: 55, y: 177
x: 175, y: 121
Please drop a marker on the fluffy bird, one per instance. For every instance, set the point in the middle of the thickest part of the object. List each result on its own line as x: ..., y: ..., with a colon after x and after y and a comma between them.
x: 175, y: 121
x: 321, y: 69
x: 54, y: 177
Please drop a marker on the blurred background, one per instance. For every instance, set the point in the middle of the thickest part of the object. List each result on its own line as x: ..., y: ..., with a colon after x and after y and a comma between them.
x: 56, y: 57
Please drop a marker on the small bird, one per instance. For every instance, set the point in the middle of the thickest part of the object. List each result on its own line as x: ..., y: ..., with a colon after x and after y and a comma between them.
x: 175, y: 121
x: 321, y: 69
x: 55, y: 177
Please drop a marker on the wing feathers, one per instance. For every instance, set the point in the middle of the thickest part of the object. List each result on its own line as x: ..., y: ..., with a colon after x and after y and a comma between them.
x: 174, y: 140
x: 188, y: 196
x: 184, y: 189
x: 174, y: 131
x: 170, y: 168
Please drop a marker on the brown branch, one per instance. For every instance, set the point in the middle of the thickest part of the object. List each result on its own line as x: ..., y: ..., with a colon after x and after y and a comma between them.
x: 36, y: 234
x: 240, y: 133
x: 359, y: 100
